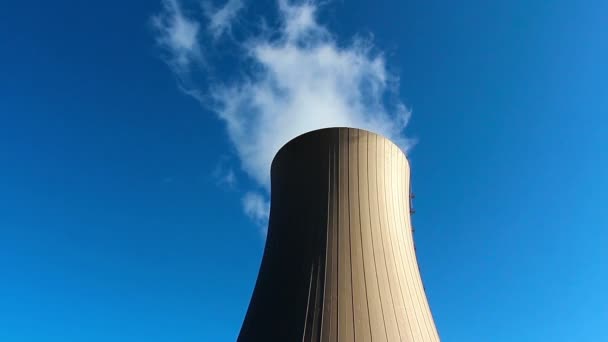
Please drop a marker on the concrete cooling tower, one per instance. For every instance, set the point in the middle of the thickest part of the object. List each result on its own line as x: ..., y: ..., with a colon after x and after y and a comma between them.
x: 339, y: 263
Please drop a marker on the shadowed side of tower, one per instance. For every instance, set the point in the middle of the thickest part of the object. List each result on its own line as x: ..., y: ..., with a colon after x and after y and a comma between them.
x: 339, y: 261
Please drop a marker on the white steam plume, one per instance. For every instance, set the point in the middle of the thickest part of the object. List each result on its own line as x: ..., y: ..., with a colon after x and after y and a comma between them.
x: 298, y: 78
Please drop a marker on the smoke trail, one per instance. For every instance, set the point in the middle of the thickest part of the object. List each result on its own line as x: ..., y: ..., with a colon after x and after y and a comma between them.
x: 296, y: 78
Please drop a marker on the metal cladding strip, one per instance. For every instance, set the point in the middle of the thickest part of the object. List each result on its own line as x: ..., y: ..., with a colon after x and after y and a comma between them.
x: 307, y: 320
x: 377, y: 325
x: 400, y: 302
x: 404, y: 276
x: 394, y: 286
x: 360, y: 304
x: 346, y: 326
x: 339, y: 263
x: 335, y: 218
x: 330, y: 303
x: 379, y: 224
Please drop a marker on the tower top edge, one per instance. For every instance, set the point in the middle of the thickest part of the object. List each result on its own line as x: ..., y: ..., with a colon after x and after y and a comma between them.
x: 320, y: 131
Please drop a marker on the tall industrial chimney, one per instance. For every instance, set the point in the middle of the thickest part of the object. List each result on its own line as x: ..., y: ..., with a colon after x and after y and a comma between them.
x: 339, y: 263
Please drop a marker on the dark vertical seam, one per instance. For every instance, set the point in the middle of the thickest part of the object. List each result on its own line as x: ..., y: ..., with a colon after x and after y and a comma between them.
x: 338, y: 238
x: 337, y: 230
x: 352, y: 296
x: 307, y: 305
x: 327, y: 229
x: 371, y: 231
x: 333, y: 248
x: 333, y: 325
x: 369, y: 320
x: 318, y: 321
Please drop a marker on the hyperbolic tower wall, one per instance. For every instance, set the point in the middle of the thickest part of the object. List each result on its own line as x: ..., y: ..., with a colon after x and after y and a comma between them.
x: 339, y: 262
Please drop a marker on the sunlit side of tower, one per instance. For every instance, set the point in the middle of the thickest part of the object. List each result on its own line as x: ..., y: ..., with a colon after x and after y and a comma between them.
x: 339, y: 262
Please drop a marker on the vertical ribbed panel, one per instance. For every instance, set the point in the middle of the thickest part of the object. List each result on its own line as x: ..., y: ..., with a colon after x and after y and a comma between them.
x: 339, y: 262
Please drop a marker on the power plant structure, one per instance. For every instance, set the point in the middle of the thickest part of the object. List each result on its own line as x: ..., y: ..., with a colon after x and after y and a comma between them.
x: 339, y: 263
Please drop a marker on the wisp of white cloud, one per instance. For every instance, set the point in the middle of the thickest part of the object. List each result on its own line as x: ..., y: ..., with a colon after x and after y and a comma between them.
x: 221, y: 20
x: 177, y: 35
x: 298, y: 79
x: 256, y: 207
x: 225, y: 176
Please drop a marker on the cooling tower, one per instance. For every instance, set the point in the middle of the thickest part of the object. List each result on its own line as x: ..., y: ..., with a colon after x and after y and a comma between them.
x: 339, y: 263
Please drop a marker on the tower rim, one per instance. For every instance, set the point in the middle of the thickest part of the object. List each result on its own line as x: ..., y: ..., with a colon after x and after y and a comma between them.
x: 319, y: 130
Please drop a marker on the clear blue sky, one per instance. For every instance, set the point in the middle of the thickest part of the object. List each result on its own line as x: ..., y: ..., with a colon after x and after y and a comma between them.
x: 113, y: 227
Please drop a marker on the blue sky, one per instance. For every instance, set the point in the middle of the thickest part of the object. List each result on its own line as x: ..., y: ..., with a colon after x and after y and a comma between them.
x: 121, y: 193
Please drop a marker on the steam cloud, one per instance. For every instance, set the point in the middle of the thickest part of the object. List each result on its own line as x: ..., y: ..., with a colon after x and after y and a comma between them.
x: 296, y: 78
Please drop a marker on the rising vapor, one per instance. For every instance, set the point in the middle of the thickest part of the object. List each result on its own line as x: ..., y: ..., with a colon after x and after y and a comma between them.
x: 296, y: 78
